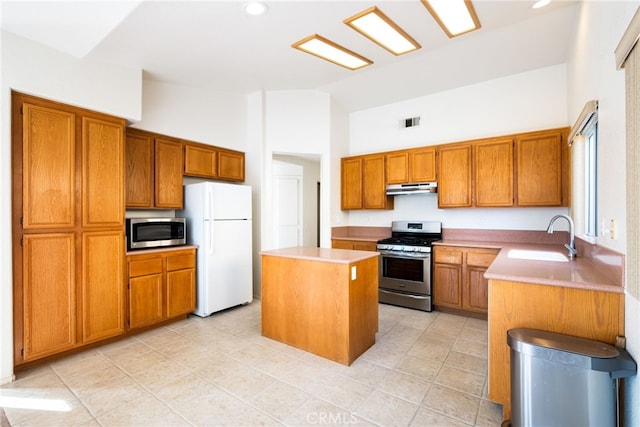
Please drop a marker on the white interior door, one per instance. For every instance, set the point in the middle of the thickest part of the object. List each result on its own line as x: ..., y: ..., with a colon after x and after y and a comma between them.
x: 288, y: 216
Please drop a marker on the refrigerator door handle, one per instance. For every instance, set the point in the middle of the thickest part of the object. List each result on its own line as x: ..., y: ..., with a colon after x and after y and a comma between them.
x: 208, y: 233
x: 208, y: 203
x: 209, y: 208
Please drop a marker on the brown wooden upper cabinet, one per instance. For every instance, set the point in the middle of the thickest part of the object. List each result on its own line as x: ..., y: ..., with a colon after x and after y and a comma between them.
x: 207, y: 161
x: 493, y: 160
x: 408, y: 166
x: 351, y: 183
x: 154, y: 170
x: 230, y: 165
x: 543, y: 169
x: 363, y: 183
x: 454, y: 180
x: 528, y: 169
x: 200, y: 160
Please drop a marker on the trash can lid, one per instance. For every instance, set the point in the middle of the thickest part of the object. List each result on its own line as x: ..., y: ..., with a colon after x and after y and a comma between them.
x: 572, y: 351
x: 556, y: 341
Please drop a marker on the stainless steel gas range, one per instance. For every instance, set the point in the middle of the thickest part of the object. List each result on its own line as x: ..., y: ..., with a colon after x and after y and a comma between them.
x: 405, y: 264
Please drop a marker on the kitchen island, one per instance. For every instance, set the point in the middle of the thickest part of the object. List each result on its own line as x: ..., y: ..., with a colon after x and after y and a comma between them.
x: 324, y: 301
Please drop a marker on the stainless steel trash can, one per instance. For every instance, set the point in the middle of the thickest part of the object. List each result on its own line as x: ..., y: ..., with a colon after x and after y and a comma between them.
x: 562, y: 380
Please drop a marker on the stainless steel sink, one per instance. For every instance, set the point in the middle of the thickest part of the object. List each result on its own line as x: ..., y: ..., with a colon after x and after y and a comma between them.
x: 533, y: 255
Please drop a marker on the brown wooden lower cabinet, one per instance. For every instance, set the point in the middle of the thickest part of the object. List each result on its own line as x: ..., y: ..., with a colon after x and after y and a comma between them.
x: 181, y: 283
x: 103, y: 272
x: 161, y: 286
x: 62, y: 309
x: 356, y: 245
x: 146, y: 279
x: 458, y: 279
x: 60, y: 317
x: 590, y: 314
x: 49, y: 295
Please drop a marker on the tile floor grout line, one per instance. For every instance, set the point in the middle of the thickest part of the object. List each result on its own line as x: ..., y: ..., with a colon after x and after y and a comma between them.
x: 402, y: 329
x: 128, y: 374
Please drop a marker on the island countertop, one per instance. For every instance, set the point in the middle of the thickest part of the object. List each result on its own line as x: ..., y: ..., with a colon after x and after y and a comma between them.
x: 342, y: 256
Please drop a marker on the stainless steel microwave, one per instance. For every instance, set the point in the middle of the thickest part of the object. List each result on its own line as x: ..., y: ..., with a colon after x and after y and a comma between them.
x: 147, y: 233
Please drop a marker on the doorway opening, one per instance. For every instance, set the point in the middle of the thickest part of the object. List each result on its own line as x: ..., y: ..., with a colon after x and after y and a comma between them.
x: 296, y: 200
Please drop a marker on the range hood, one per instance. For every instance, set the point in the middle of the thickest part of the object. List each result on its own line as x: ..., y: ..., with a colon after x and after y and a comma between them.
x: 414, y: 188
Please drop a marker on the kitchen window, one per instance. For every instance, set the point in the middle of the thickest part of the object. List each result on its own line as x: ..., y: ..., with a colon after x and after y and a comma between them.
x: 591, y: 176
x: 583, y: 139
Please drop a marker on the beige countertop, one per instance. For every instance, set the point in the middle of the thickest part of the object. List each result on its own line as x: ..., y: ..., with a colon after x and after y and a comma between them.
x: 341, y: 256
x: 360, y: 238
x: 362, y: 234
x: 580, y: 272
x: 157, y: 250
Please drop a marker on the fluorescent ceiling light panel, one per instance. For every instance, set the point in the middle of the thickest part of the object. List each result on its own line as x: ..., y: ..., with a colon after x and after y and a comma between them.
x: 456, y: 17
x: 377, y: 27
x: 326, y: 49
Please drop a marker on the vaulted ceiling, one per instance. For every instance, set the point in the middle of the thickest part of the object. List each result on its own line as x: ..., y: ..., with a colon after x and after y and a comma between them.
x: 214, y: 44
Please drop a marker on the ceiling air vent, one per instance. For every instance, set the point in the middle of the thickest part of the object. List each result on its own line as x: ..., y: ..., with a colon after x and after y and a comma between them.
x: 410, y: 122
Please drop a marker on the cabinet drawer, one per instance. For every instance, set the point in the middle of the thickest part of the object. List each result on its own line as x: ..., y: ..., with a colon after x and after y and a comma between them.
x: 180, y: 262
x: 145, y: 267
x: 365, y: 246
x: 448, y: 256
x: 480, y: 259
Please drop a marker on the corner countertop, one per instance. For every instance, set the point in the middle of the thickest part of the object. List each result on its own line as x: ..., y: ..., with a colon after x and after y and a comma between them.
x: 341, y: 256
x: 364, y: 234
x: 580, y: 273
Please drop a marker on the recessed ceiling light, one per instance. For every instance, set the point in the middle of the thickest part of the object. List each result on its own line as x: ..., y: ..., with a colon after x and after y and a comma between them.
x: 255, y: 8
x: 541, y: 3
x: 326, y: 49
x: 456, y: 17
x: 377, y: 27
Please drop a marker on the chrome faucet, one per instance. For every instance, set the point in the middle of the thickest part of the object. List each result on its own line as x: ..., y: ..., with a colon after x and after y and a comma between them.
x: 571, y: 246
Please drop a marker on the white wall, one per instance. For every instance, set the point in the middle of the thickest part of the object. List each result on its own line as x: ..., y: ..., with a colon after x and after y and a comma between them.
x: 331, y: 214
x: 593, y: 75
x: 255, y: 174
x: 523, y: 102
x: 517, y: 103
x: 304, y: 129
x: 34, y: 69
x: 196, y: 114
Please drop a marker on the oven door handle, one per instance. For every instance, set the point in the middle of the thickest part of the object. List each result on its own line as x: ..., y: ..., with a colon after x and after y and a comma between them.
x: 405, y: 295
x: 413, y: 255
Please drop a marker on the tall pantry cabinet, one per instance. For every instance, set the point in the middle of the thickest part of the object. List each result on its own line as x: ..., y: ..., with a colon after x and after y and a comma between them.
x: 68, y: 227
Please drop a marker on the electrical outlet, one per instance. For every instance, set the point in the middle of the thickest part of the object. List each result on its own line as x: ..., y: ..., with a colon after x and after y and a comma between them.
x: 353, y: 272
x: 613, y: 229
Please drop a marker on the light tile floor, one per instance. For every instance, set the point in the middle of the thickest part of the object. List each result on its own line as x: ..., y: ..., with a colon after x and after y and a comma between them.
x: 426, y: 369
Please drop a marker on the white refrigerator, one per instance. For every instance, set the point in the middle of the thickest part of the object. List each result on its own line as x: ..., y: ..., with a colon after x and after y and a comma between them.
x: 219, y: 222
